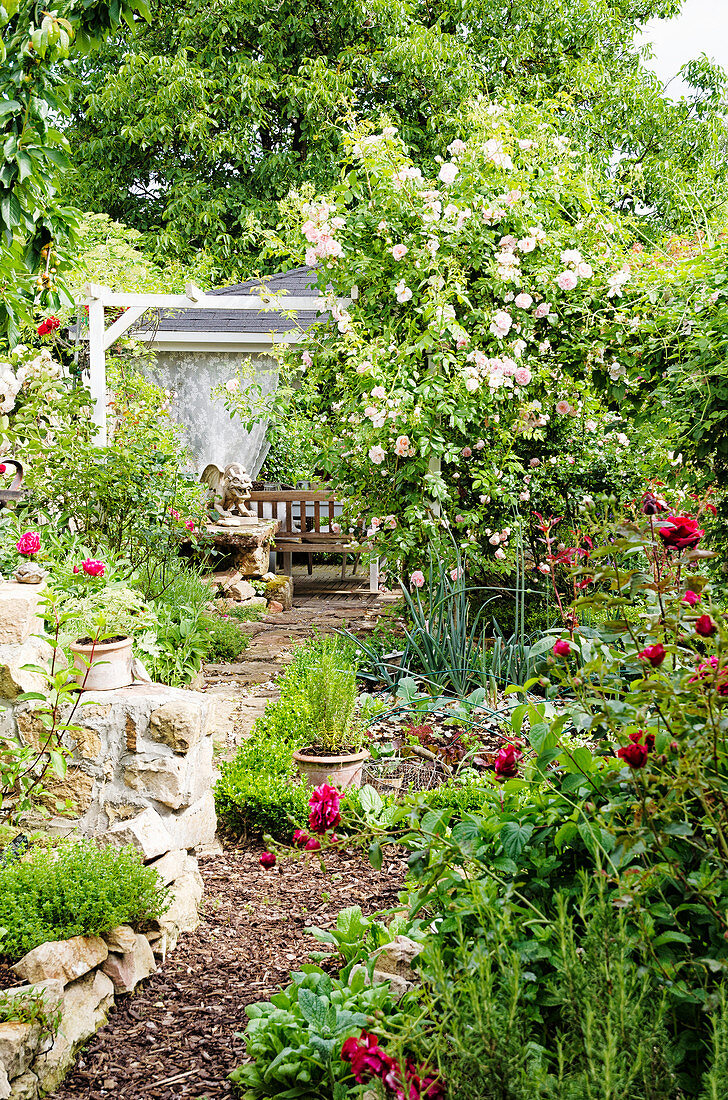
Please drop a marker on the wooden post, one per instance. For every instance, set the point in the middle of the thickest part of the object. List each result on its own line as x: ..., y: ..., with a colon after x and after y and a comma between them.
x: 97, y: 369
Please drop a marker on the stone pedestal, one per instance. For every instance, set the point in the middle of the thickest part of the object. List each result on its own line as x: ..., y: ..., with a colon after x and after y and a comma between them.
x: 248, y: 546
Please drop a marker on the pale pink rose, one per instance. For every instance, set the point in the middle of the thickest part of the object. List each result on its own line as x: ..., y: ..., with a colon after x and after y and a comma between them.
x: 471, y: 384
x: 311, y: 232
x: 523, y: 300
x: 535, y: 462
x: 523, y: 376
x: 402, y: 292
x: 391, y: 522
x: 500, y: 554
x: 402, y: 446
x: 584, y: 270
x: 399, y: 251
x: 570, y: 460
x: 466, y: 452
x: 381, y: 227
x: 542, y: 310
x: 590, y: 425
x: 525, y: 495
x: 501, y: 323
x: 527, y: 244
x: 377, y: 455
x: 447, y: 173
x: 459, y: 518
x: 379, y: 393
x: 417, y: 578
x: 508, y: 243
x: 456, y: 147
x: 336, y: 528
x: 567, y: 280
x: 563, y: 408
x: 456, y: 574
x: 462, y: 342
x: 376, y: 523
x: 307, y: 360
x: 311, y: 257
x: 480, y: 444
x: 495, y: 539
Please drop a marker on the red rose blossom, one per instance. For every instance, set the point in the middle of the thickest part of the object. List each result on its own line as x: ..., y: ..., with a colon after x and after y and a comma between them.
x: 267, y: 860
x: 690, y: 598
x: 300, y: 839
x: 507, y: 760
x: 324, y: 809
x: 705, y: 626
x: 655, y: 654
x: 562, y: 648
x: 633, y: 754
x: 680, y: 532
x: 29, y: 543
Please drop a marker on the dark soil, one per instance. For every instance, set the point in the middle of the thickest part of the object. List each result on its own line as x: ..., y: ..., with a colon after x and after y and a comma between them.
x: 175, y: 1036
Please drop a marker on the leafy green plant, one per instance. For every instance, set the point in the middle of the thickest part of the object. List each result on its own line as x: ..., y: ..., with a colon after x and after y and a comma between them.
x: 225, y: 640
x: 357, y: 939
x: 294, y: 1040
x: 328, y: 698
x: 76, y: 890
x: 30, y: 1007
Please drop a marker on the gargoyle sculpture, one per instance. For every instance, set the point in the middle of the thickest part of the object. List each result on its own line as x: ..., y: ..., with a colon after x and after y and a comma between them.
x: 229, y: 490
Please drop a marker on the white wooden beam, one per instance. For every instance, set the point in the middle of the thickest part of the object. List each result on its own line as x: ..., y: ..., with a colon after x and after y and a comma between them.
x: 272, y: 303
x: 122, y: 324
x: 97, y: 368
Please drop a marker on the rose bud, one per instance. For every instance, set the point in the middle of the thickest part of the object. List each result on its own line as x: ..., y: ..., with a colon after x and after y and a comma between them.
x: 690, y: 598
x: 705, y: 626
x: 655, y: 654
x: 562, y: 648
x: 267, y: 860
x: 313, y: 845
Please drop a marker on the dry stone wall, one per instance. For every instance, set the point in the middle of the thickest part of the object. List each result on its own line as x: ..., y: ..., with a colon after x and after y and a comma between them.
x: 140, y: 773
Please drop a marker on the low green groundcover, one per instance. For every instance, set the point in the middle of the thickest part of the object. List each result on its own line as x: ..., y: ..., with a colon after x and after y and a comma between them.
x: 77, y: 889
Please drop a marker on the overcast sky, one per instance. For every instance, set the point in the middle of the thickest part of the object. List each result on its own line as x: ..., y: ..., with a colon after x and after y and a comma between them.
x: 701, y: 27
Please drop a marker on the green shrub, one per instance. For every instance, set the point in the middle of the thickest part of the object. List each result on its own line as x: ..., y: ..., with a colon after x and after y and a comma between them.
x: 75, y: 890
x: 225, y: 639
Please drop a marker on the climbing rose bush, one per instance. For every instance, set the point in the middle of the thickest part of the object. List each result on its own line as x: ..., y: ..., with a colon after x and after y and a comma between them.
x: 478, y: 293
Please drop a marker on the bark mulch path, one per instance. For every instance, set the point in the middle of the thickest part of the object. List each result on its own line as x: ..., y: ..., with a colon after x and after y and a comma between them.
x: 174, y: 1036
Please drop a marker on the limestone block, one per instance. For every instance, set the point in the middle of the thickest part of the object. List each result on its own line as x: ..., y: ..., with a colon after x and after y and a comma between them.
x: 86, y: 1005
x: 63, y: 959
x: 14, y: 678
x: 194, y: 826
x: 178, y: 723
x: 166, y: 779
x: 71, y: 796
x: 147, y: 831
x: 397, y: 957
x: 255, y: 602
x: 254, y: 562
x: 222, y: 717
x: 24, y: 1087
x: 183, y: 915
x: 4, y: 1085
x: 18, y: 1044
x: 19, y: 616
x: 240, y: 590
x: 122, y: 938
x: 128, y: 969
x: 280, y: 589
x: 87, y: 743
x: 170, y: 866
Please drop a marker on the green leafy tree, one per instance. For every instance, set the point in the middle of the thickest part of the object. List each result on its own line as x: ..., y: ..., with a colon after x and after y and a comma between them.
x: 197, y: 127
x: 34, y: 48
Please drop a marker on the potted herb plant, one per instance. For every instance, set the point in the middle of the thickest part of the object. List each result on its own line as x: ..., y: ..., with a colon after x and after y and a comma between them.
x: 328, y: 701
x: 100, y: 626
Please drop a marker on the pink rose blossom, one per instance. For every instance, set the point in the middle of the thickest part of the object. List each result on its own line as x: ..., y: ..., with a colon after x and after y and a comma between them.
x: 324, y: 811
x: 563, y: 408
x: 500, y: 554
x: 379, y: 393
x: 567, y: 280
x: 466, y: 452
x: 522, y: 376
x: 307, y: 360
x: 534, y: 462
x: 190, y: 524
x: 402, y: 446
x: 542, y: 310
x: 400, y: 251
x: 691, y: 598
x: 523, y: 300
x: 377, y: 455
x: 562, y: 648
x: 417, y: 578
x: 29, y: 543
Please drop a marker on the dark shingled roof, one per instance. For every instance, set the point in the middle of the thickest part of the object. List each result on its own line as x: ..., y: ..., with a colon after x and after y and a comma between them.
x: 299, y: 282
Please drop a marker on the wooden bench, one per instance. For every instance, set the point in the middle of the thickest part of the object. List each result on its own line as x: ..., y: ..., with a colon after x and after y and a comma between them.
x: 300, y: 513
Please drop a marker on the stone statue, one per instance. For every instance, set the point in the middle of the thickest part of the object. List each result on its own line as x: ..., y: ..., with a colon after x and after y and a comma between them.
x: 229, y: 490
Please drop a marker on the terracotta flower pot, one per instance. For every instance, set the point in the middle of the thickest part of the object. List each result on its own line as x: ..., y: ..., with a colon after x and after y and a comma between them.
x: 340, y: 771
x: 110, y: 664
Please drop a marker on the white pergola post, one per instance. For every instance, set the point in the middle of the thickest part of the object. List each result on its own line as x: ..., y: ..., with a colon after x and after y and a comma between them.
x: 97, y: 369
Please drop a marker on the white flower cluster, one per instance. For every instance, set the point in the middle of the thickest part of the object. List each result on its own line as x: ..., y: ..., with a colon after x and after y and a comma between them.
x: 501, y: 371
x: 13, y: 378
x: 319, y: 229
